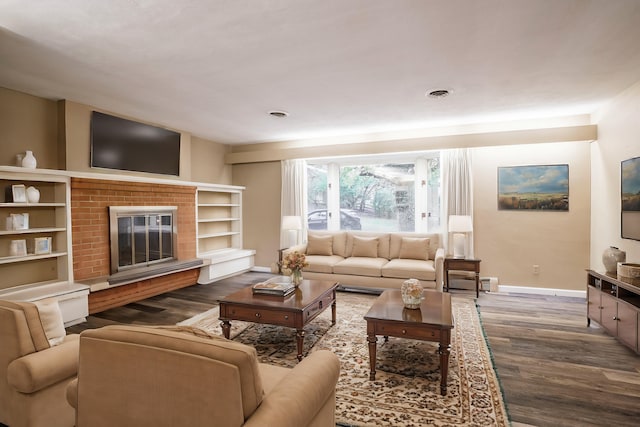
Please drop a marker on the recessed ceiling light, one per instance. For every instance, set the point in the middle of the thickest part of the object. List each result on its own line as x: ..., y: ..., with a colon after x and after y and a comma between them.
x: 278, y: 113
x: 438, y: 93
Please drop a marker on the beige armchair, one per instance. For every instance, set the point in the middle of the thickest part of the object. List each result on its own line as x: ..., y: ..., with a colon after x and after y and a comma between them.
x: 33, y: 375
x: 148, y: 376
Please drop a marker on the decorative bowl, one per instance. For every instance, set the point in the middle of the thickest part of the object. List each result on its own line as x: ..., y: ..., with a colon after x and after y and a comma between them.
x: 629, y: 269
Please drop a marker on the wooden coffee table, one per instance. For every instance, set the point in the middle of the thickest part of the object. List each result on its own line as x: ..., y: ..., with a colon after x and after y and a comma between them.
x: 433, y: 321
x: 294, y: 311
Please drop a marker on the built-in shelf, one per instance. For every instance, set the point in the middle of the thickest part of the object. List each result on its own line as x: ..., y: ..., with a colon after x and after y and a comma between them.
x: 34, y: 277
x: 203, y: 220
x: 31, y: 205
x: 226, y: 233
x: 32, y: 231
x: 219, y: 233
x: 30, y: 257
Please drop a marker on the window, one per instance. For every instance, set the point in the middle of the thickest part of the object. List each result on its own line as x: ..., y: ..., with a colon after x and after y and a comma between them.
x: 374, y: 195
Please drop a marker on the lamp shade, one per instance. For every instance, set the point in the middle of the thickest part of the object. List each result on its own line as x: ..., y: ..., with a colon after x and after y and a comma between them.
x: 291, y: 223
x: 460, y: 224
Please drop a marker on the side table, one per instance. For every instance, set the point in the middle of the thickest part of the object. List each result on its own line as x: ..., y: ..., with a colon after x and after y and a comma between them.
x: 462, y: 264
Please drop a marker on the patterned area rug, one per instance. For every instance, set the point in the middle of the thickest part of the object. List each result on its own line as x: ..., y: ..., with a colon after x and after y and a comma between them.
x: 406, y: 391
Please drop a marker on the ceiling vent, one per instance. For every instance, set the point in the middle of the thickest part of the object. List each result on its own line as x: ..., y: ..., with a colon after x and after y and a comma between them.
x: 278, y: 113
x: 438, y: 93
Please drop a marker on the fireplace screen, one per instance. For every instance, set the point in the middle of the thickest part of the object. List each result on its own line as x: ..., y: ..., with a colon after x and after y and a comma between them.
x: 141, y: 236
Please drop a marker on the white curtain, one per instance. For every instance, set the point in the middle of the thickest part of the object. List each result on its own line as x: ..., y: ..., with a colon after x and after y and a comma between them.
x: 293, y: 200
x: 457, y: 191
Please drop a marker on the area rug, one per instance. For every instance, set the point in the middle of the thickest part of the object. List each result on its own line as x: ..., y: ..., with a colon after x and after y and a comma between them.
x: 406, y: 391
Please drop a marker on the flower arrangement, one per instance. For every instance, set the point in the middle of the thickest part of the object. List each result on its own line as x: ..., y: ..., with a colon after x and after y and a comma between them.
x: 295, y: 261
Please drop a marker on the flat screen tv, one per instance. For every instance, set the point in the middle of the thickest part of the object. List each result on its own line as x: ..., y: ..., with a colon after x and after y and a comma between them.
x: 122, y: 144
x: 630, y: 191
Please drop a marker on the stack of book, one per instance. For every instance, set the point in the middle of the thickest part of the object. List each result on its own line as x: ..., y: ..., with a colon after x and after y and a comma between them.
x: 279, y: 286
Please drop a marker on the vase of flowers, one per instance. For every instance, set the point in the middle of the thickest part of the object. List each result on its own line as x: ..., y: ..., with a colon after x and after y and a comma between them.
x: 295, y: 261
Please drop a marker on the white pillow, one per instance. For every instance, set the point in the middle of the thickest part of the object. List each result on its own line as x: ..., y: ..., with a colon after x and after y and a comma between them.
x: 51, y: 319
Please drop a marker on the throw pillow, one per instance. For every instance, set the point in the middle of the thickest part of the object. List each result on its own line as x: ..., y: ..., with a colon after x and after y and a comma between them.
x: 414, y: 248
x: 365, y: 247
x: 320, y: 245
x: 51, y: 319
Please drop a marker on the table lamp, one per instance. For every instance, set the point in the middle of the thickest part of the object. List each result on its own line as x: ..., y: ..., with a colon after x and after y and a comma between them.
x: 292, y: 224
x: 459, y: 225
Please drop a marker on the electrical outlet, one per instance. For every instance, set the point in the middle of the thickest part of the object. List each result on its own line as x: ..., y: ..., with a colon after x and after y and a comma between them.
x: 536, y: 269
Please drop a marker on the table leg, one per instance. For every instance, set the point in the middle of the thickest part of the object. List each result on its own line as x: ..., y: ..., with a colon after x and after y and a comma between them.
x: 444, y: 350
x: 333, y: 311
x: 477, y: 284
x: 299, y: 342
x: 371, y: 338
x: 226, y: 328
x: 446, y: 280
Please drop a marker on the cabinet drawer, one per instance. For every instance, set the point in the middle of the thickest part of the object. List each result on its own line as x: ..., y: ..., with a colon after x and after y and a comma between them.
x: 403, y: 331
x: 273, y: 317
x: 317, y: 308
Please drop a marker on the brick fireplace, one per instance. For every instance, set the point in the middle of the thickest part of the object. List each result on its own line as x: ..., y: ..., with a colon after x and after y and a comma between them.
x: 90, y: 202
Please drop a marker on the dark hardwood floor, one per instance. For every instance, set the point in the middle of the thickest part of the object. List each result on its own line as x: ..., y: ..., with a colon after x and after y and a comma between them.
x: 554, y: 370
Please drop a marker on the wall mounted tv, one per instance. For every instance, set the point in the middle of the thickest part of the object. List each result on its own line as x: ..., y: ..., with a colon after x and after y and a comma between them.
x: 630, y: 192
x: 122, y: 144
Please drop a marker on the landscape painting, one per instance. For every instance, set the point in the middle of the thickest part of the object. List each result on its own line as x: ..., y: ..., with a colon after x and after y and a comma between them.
x: 630, y: 191
x: 540, y: 188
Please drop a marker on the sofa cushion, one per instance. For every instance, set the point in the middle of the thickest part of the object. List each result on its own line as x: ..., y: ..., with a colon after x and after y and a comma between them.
x: 414, y: 248
x: 365, y: 247
x: 51, y: 318
x: 339, y: 246
x: 395, y: 242
x: 410, y: 268
x: 383, y: 242
x: 320, y: 245
x: 360, y: 266
x: 322, y: 263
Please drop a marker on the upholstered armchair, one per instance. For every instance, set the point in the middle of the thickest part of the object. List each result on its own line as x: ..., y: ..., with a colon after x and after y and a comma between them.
x: 34, y: 374
x: 148, y: 376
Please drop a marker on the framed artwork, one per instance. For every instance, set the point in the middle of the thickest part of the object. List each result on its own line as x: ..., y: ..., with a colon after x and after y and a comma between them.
x: 19, y: 193
x: 537, y: 188
x: 18, y: 248
x: 20, y: 221
x: 630, y: 198
x: 42, y: 245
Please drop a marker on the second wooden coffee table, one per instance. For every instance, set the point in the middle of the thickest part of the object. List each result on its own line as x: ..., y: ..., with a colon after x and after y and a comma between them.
x: 294, y: 311
x: 433, y: 321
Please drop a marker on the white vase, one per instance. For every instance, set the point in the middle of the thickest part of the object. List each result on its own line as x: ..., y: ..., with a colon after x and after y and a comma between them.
x: 29, y: 161
x: 33, y: 195
x: 611, y: 257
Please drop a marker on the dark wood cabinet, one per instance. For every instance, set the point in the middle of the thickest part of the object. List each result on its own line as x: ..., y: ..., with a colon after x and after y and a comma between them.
x: 615, y: 305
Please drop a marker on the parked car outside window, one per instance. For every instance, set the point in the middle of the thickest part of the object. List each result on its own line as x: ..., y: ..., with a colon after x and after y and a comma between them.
x: 317, y: 220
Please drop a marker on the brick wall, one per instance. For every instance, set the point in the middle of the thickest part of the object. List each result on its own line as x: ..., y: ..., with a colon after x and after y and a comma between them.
x: 90, y: 200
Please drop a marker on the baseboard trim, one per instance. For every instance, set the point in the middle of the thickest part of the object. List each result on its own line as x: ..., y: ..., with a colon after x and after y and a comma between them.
x: 261, y: 269
x: 542, y: 291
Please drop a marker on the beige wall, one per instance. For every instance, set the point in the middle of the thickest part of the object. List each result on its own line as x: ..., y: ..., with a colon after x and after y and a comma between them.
x: 28, y: 123
x: 261, y: 209
x: 207, y: 162
x: 618, y: 140
x: 511, y: 242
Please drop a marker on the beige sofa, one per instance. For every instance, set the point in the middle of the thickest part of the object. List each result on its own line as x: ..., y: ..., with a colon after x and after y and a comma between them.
x: 181, y: 376
x: 373, y: 260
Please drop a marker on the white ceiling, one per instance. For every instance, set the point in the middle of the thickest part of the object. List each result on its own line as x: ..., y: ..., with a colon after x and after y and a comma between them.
x: 216, y: 68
